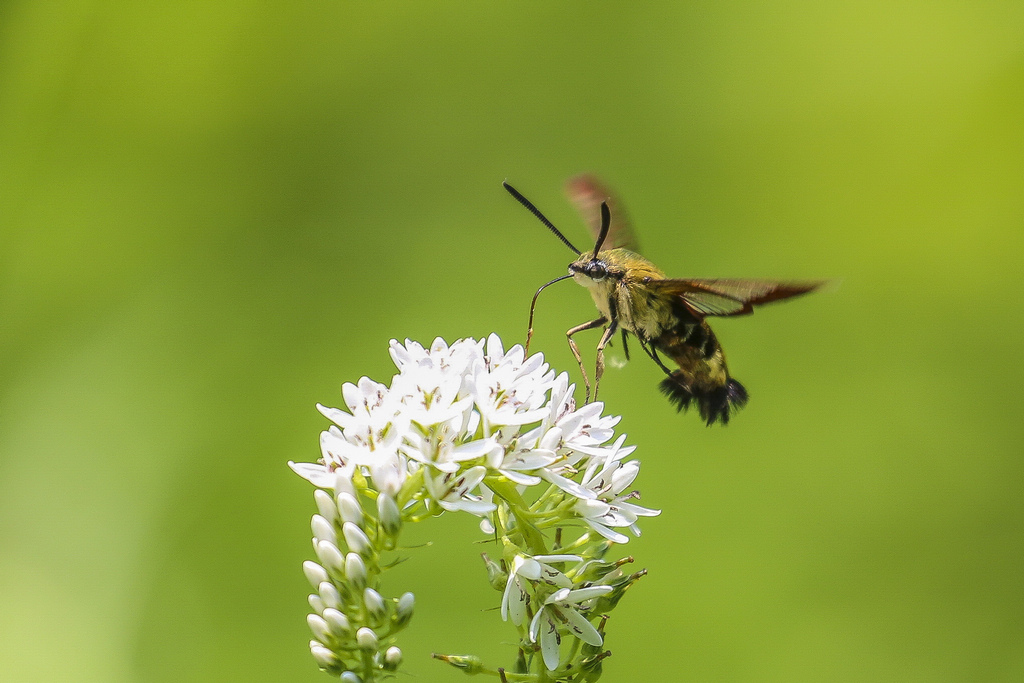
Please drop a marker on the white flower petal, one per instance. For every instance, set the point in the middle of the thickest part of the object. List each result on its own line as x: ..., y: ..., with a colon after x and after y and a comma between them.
x: 529, y: 460
x: 473, y: 507
x: 474, y: 449
x: 494, y: 349
x: 438, y: 347
x: 535, y: 626
x: 507, y: 596
x: 581, y: 628
x: 527, y: 567
x: 547, y: 559
x: 552, y: 439
x: 579, y: 595
x: 613, y: 536
x: 638, y: 511
x: 521, y: 479
x: 317, y: 475
x: 338, y: 417
x: 549, y: 642
x: 568, y: 485
x: 623, y: 476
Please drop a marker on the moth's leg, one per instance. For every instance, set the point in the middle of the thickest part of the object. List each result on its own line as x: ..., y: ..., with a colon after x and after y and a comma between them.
x: 576, y: 351
x: 625, y: 347
x: 608, y: 334
x: 653, y: 353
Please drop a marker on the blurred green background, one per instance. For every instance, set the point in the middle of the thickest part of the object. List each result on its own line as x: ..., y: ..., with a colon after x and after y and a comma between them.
x: 214, y: 213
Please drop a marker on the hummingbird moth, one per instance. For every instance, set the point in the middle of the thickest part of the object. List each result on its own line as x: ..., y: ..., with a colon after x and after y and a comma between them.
x: 666, y: 315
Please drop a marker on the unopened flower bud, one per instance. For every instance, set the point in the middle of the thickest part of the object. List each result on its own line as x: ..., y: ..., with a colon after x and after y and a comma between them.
x: 404, y: 611
x: 366, y: 639
x: 316, y: 603
x: 356, y: 539
x: 315, y: 574
x: 343, y: 482
x: 389, y: 514
x: 325, y: 504
x: 374, y: 604
x: 324, y: 658
x: 497, y: 576
x: 319, y: 627
x: 594, y: 570
x: 350, y: 677
x: 521, y: 664
x: 355, y: 570
x: 592, y: 667
x: 349, y: 508
x: 392, y: 658
x: 330, y: 556
x: 323, y: 530
x: 468, y: 663
x: 329, y: 595
x: 607, y: 603
x: 337, y: 622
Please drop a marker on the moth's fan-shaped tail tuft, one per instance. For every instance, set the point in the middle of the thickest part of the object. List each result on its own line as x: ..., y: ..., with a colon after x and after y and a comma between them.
x: 715, y: 405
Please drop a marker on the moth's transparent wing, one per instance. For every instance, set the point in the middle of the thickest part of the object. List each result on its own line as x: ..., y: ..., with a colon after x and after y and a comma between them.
x: 586, y: 192
x: 725, y: 297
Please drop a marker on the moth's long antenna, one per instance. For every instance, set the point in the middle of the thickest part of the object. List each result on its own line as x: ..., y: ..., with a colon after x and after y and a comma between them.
x: 606, y: 221
x: 536, y: 212
x: 533, y: 305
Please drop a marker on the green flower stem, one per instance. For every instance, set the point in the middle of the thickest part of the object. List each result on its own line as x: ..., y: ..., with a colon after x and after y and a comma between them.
x: 506, y: 490
x: 412, y: 486
x: 543, y: 499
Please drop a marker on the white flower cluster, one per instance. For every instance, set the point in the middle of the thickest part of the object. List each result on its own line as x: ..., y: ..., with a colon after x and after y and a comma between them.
x: 470, y: 427
x: 458, y: 413
x: 565, y: 605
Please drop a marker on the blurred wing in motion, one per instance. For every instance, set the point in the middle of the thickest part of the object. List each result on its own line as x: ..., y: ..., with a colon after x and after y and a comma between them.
x: 730, y: 297
x: 586, y: 192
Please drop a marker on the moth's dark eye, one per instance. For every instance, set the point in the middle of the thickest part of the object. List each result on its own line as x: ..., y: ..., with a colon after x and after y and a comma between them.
x: 596, y: 270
